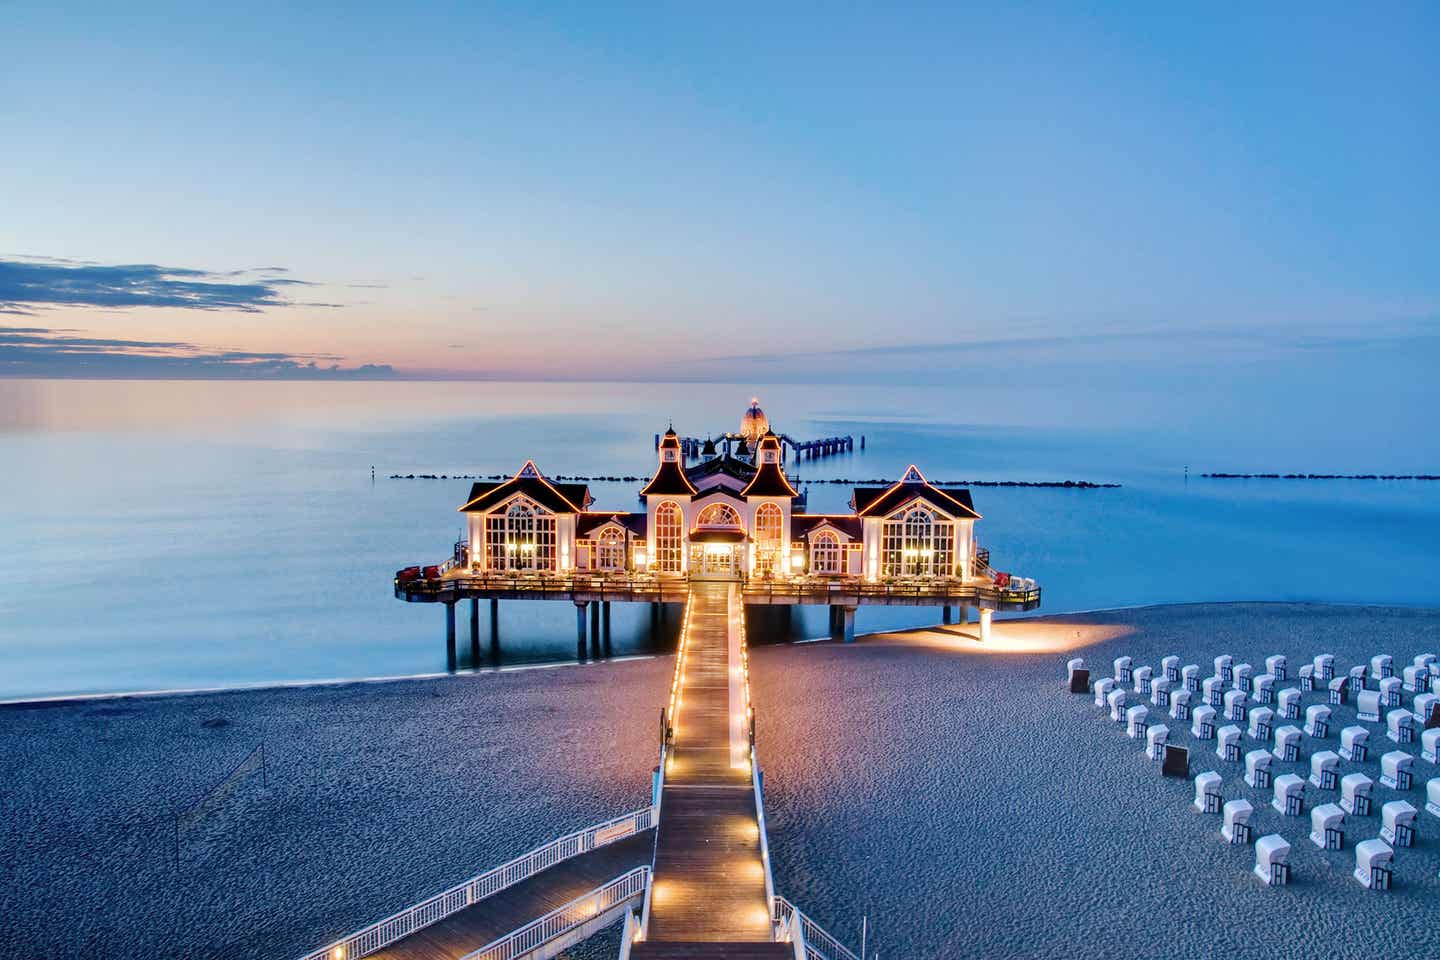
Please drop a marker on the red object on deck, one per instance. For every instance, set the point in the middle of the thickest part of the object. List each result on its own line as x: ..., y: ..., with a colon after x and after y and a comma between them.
x: 1002, y: 579
x: 408, y: 574
x: 432, y: 573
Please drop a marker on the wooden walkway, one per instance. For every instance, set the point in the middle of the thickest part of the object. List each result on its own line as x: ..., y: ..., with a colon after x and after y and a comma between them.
x: 708, y: 895
x: 512, y: 908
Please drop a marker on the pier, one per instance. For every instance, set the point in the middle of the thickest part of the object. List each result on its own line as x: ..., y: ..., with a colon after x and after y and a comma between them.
x: 688, y: 876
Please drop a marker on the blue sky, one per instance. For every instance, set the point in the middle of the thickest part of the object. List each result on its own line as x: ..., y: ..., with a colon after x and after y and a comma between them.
x: 602, y: 191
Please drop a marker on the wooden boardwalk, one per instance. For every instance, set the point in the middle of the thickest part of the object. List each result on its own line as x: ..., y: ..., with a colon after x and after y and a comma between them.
x: 512, y: 908
x: 708, y: 895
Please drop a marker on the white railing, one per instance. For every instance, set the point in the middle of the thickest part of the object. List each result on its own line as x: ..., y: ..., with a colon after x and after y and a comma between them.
x: 559, y: 922
x: 819, y: 945
x: 397, y: 926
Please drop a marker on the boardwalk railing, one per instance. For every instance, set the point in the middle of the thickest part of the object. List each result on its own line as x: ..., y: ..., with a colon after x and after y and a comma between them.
x: 573, y: 915
x: 397, y: 926
x: 819, y: 945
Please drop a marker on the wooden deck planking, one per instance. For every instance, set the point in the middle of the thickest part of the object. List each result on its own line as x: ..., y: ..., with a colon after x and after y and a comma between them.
x: 709, y: 883
x: 513, y: 907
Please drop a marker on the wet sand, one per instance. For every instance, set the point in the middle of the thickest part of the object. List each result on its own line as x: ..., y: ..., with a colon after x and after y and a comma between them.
x: 951, y: 791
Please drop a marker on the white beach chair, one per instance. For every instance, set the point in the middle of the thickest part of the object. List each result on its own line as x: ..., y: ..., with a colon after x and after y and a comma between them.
x: 1398, y: 819
x: 1117, y: 705
x: 1289, y: 703
x: 1390, y: 692
x: 1214, y: 690
x: 1327, y: 827
x: 1262, y: 688
x: 1103, y: 688
x: 1240, y: 676
x: 1160, y: 692
x: 1170, y: 668
x: 1423, y: 706
x: 1156, y: 737
x: 1400, y: 726
x: 1142, y: 677
x: 1289, y: 795
x: 1207, y: 792
x: 1324, y: 664
x: 1339, y: 691
x: 1372, y: 864
x: 1258, y: 768
x: 1076, y: 664
x: 1397, y: 770
x: 1225, y: 668
x: 1382, y: 665
x: 1355, y: 744
x: 1416, y: 679
x: 1325, y: 770
x: 1262, y: 724
x: 1190, y: 676
x: 1236, y: 828
x: 1180, y: 705
x: 1227, y: 743
x: 1430, y: 745
x: 1137, y: 721
x: 1432, y: 797
x: 1287, y: 744
x: 1235, y: 705
x: 1306, y: 675
x: 1317, y: 721
x: 1202, y: 723
x: 1355, y: 791
x: 1357, y: 678
x: 1123, y: 668
x: 1276, y: 666
x: 1367, y: 706
x: 1272, y: 860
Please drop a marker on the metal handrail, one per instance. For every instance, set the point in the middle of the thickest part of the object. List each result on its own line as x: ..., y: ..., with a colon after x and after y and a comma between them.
x: 559, y: 922
x: 397, y: 926
x: 819, y: 945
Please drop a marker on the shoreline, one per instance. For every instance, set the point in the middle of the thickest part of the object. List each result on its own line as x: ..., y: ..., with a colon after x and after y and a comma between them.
x: 55, y: 700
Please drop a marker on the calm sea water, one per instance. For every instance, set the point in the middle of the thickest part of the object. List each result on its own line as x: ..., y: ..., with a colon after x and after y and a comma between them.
x: 192, y: 534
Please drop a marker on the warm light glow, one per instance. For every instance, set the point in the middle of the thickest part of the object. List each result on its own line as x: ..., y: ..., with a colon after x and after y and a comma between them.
x: 338, y: 953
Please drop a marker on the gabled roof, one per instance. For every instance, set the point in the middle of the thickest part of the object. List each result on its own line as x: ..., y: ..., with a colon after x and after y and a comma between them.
x: 805, y: 523
x: 870, y: 501
x: 728, y: 466
x: 770, y: 479
x: 588, y: 523
x: 670, y: 479
x: 556, y: 497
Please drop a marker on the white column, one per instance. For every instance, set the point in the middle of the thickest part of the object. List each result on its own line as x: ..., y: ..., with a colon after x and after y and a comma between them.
x: 985, y: 625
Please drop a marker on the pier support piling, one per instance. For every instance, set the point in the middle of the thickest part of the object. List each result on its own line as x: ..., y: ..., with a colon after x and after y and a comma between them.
x: 474, y: 632
x: 945, y: 615
x: 580, y: 629
x: 848, y: 623
x: 495, y: 628
x: 985, y: 625
x: 605, y: 624
x: 450, y: 636
x: 595, y: 630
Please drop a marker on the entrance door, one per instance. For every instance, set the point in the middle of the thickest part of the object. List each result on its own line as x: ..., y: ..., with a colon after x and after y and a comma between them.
x: 718, y: 561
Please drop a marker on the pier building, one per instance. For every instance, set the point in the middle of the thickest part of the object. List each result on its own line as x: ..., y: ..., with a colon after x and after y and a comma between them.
x: 730, y: 513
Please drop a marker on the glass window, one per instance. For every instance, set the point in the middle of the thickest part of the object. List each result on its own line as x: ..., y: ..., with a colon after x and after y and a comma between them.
x: 521, y: 538
x: 825, y: 553
x: 768, y: 523
x: 718, y: 515
x: 669, y: 531
x: 610, y: 550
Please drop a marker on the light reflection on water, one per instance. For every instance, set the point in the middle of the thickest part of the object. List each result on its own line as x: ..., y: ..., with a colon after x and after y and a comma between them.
x: 182, y: 534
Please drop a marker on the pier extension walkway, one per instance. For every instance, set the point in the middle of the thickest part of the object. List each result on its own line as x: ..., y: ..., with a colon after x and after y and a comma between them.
x: 689, y: 875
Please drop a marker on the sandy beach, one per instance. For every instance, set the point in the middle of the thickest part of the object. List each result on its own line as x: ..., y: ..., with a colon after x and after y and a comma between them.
x: 953, y: 793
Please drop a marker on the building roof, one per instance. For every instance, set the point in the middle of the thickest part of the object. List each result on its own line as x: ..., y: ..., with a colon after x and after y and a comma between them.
x: 770, y: 479
x: 804, y: 523
x: 588, y: 523
x: 716, y: 535
x: 729, y: 466
x: 556, y: 497
x: 870, y: 501
x: 670, y: 479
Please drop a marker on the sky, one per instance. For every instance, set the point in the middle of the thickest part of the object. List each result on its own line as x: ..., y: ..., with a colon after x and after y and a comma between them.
x: 1076, y: 194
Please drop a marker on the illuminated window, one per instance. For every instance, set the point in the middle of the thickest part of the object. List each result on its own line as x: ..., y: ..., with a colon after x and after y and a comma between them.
x: 669, y: 531
x: 768, y: 523
x: 718, y: 515
x: 917, y: 544
x: 610, y: 550
x: 825, y: 553
x: 521, y: 538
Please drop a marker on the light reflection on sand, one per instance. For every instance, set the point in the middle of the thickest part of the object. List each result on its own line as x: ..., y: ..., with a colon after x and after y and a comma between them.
x: 1007, y: 636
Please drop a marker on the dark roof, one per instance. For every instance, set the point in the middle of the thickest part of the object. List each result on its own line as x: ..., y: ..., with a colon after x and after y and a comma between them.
x: 707, y: 535
x: 955, y: 501
x: 770, y: 480
x: 669, y: 480
x: 743, y: 449
x: 846, y: 523
x: 588, y: 523
x: 557, y: 497
x: 729, y: 466
x: 708, y: 450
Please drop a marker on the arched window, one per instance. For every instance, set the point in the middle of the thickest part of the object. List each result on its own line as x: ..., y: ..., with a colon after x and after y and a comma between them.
x: 718, y: 515
x: 917, y: 544
x: 610, y: 549
x: 669, y: 531
x: 769, y: 522
x: 825, y: 553
x: 521, y: 538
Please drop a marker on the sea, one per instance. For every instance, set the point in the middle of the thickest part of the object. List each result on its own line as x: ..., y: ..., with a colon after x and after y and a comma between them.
x: 180, y: 535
